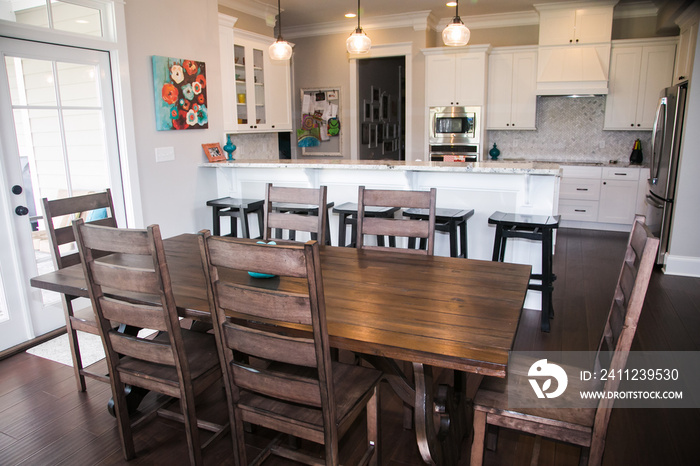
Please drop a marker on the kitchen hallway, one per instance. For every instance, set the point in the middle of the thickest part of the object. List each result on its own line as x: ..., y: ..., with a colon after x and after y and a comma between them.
x: 43, y: 420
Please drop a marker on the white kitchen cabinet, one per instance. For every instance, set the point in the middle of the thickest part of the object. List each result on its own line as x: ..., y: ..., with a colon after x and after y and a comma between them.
x: 512, y: 76
x: 601, y: 197
x: 688, y: 23
x: 565, y: 25
x: 639, y: 70
x: 256, y: 89
x: 455, y: 76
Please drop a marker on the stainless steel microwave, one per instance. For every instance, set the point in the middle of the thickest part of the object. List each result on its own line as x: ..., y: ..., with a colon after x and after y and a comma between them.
x: 454, y: 125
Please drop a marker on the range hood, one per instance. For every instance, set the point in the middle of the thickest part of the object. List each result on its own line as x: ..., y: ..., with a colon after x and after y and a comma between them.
x: 573, y: 69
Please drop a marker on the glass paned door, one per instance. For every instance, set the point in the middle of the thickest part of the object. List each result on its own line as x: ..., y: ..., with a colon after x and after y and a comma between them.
x: 58, y: 140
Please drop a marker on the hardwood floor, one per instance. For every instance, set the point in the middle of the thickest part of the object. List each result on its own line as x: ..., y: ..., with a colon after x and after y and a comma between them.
x: 44, y: 420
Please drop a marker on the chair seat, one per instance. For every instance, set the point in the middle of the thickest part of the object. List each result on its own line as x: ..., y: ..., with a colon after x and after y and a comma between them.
x: 351, y: 385
x: 524, y: 220
x: 201, y: 352
x: 441, y: 215
x: 492, y: 397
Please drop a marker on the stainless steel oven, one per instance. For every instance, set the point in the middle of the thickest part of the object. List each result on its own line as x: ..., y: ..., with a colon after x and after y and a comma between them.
x: 454, y: 125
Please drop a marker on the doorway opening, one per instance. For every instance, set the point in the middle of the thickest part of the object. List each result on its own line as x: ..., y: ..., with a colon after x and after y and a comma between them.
x: 382, y: 112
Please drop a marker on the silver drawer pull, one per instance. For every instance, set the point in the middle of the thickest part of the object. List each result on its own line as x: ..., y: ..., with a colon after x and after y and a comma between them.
x: 579, y: 210
x: 581, y: 189
x: 620, y: 174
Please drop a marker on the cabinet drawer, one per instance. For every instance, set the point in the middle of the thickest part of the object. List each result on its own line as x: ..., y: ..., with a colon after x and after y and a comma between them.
x: 578, y: 171
x: 582, y: 211
x: 579, y: 188
x: 613, y: 173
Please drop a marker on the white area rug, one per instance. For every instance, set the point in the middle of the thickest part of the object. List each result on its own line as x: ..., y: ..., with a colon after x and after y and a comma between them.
x: 58, y: 349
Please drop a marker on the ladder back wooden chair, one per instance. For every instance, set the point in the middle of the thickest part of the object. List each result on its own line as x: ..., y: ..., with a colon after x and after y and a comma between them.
x: 178, y: 363
x: 304, y: 209
x: 403, y: 227
x: 580, y: 426
x: 295, y: 388
x: 95, y: 209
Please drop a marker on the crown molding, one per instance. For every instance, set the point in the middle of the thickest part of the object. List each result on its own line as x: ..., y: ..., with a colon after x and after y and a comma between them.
x: 574, y: 5
x: 418, y: 20
x: 635, y: 10
x: 251, y: 7
x: 499, y: 20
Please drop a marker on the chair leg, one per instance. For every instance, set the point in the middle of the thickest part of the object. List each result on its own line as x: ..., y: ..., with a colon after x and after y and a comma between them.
x: 191, y: 429
x: 497, y: 244
x: 74, y: 345
x: 122, y: 415
x: 373, y: 423
x: 477, y: 456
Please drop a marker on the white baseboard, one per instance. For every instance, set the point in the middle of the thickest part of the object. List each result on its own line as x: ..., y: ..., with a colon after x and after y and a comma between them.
x: 682, y: 265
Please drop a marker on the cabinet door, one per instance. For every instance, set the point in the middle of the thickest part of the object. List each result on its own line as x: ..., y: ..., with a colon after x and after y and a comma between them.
x: 500, y: 91
x: 279, y: 89
x: 524, y: 99
x: 470, y: 76
x: 656, y: 74
x: 621, y: 102
x: 686, y: 51
x: 557, y: 26
x: 618, y: 201
x: 228, y: 91
x: 440, y: 80
x: 593, y: 25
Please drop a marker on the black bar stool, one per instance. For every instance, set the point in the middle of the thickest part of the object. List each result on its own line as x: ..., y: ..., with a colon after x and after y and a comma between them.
x: 451, y: 221
x: 301, y: 209
x: 236, y: 209
x: 348, y: 216
x: 537, y: 228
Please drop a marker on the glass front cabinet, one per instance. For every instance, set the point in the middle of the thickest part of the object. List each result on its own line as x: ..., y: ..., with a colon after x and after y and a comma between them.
x: 256, y: 89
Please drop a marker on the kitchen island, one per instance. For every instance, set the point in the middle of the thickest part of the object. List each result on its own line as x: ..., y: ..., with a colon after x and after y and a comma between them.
x: 520, y: 187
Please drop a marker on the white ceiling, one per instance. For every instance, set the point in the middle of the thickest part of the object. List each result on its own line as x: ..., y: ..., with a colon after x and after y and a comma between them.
x: 297, y: 13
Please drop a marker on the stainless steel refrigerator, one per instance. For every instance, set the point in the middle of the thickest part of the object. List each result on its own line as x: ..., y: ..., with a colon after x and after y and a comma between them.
x: 665, y: 152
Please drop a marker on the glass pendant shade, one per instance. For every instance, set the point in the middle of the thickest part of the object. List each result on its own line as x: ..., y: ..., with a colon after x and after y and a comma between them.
x: 456, y: 33
x: 280, y: 50
x: 358, y: 42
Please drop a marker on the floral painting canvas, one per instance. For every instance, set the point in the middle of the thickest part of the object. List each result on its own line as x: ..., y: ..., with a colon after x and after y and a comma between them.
x: 180, y: 93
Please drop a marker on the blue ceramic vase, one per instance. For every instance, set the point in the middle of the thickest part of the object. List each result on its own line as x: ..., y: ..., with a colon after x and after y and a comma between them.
x: 494, y: 152
x: 229, y: 147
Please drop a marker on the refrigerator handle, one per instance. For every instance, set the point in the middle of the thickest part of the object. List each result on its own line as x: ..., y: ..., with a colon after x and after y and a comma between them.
x: 653, y: 202
x: 663, y: 104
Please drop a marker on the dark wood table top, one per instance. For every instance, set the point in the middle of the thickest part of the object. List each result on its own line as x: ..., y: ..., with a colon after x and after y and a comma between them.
x: 448, y: 312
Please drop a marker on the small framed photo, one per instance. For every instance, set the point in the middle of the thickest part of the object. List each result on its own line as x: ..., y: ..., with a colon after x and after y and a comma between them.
x: 375, y: 93
x: 214, y: 152
x: 372, y: 135
x: 332, y: 95
x: 385, y: 106
x: 365, y: 133
x: 367, y: 106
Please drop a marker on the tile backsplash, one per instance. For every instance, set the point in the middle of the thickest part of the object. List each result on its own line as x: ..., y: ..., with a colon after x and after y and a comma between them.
x: 255, y: 146
x: 569, y: 130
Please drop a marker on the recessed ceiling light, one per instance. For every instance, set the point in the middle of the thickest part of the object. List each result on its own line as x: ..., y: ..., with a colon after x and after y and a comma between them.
x: 350, y: 15
x: 451, y: 4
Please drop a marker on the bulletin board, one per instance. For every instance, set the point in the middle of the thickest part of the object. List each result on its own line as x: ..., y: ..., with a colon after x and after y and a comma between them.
x: 321, y: 129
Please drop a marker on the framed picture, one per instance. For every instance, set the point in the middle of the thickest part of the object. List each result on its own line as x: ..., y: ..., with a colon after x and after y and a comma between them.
x: 332, y: 94
x: 180, y: 88
x: 367, y: 106
x: 365, y: 133
x: 385, y: 106
x: 375, y: 92
x: 372, y: 135
x: 214, y: 152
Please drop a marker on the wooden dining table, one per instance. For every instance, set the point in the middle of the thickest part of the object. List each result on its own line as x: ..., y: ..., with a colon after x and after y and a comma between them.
x: 431, y: 311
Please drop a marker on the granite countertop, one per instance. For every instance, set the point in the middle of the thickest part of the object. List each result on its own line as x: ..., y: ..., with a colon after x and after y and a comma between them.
x: 609, y: 163
x: 502, y: 167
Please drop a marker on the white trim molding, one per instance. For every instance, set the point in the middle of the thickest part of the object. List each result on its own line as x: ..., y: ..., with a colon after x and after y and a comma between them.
x: 418, y: 20
x: 682, y: 265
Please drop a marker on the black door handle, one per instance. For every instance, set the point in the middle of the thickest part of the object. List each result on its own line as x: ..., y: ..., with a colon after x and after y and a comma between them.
x: 17, y: 189
x: 21, y: 210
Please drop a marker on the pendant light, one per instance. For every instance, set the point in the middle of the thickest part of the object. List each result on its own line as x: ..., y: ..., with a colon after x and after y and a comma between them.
x: 456, y: 33
x: 358, y: 42
x: 280, y: 49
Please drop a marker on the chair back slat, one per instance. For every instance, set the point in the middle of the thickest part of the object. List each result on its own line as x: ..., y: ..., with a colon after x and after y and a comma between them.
x: 270, y: 345
x: 407, y: 227
x: 138, y: 315
x: 59, y: 213
x: 303, y: 197
x: 117, y: 240
x: 139, y: 348
x: 137, y: 281
x: 282, y: 306
x: 283, y: 260
x: 291, y: 388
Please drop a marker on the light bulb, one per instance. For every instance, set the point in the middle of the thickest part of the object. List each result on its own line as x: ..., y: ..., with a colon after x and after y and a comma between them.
x: 280, y: 50
x: 358, y: 42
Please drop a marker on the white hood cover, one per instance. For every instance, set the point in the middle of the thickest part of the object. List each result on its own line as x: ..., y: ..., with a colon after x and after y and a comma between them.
x: 573, y: 69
